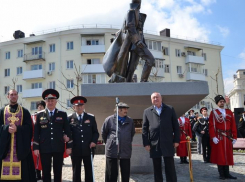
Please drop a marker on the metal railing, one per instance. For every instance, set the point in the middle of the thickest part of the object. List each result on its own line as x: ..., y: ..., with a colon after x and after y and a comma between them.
x: 30, y: 56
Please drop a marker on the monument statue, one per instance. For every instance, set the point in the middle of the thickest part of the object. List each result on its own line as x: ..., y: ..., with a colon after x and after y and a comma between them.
x: 122, y: 57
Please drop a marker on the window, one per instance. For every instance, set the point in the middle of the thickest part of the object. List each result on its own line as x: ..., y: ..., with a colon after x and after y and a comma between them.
x: 68, y: 103
x: 69, y: 45
x: 165, y: 51
x: 92, y: 42
x: 166, y: 70
x: 195, y: 68
x: 6, y: 89
x: 69, y: 84
x: 150, y: 44
x: 33, y: 105
x: 19, y: 88
x: 51, y: 66
x: 179, y: 69
x: 207, y: 105
x: 205, y: 71
x: 7, y: 72
x: 7, y: 55
x: 177, y: 52
x: 19, y: 70
x: 153, y: 45
x: 52, y: 85
x: 36, y: 85
x: 204, y: 55
x: 93, y: 78
x: 191, y: 53
x: 159, y: 63
x: 69, y: 64
x: 244, y: 72
x: 52, y: 48
x: 93, y: 61
x: 198, y: 106
x: 36, y: 67
x: 37, y: 51
x: 20, y: 53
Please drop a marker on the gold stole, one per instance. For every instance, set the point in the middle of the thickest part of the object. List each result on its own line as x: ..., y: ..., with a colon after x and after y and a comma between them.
x: 11, y: 166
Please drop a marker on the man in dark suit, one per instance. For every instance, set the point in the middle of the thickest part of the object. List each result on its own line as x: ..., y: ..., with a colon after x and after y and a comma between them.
x: 48, y: 136
x: 85, y: 136
x: 241, y: 124
x: 161, y: 135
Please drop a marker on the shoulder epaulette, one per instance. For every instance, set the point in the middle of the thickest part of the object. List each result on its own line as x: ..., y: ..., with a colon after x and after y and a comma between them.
x: 90, y: 114
x: 70, y: 115
x: 39, y: 112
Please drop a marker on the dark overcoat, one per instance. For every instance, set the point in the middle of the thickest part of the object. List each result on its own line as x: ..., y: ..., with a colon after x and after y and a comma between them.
x: 160, y: 131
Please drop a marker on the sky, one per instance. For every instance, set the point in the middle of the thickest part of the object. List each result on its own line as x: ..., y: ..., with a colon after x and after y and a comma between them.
x: 214, y: 21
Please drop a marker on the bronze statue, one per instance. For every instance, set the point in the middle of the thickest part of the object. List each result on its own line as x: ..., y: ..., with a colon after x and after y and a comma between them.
x: 117, y: 62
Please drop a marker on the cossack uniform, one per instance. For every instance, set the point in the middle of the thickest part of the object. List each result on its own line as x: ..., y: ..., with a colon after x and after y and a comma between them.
x: 48, y: 138
x: 84, y: 131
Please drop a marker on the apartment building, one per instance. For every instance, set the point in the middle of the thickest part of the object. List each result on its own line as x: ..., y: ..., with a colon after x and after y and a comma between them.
x: 64, y: 60
x: 237, y: 94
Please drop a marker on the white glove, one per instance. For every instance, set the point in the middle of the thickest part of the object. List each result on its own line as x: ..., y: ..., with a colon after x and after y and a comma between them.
x: 233, y: 142
x: 215, y: 140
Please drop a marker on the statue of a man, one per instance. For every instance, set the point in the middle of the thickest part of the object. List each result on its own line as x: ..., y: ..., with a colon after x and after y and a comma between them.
x: 117, y: 62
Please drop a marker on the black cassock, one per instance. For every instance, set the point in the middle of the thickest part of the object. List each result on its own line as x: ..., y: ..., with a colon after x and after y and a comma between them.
x: 23, y: 145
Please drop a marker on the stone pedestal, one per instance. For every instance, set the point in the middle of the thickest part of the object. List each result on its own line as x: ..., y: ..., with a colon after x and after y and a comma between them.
x: 101, y: 102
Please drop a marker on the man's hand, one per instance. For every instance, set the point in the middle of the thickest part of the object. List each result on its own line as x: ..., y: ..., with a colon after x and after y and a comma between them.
x: 202, y: 132
x: 68, y: 151
x: 148, y: 148
x: 66, y: 139
x: 234, y: 141
x: 12, y: 128
x: 176, y: 145
x: 36, y: 152
x: 140, y: 44
x: 92, y: 144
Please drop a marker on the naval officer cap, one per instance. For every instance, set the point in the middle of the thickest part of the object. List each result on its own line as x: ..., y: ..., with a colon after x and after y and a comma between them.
x: 78, y: 100
x: 50, y: 94
x: 122, y: 105
x: 189, y: 112
x: 218, y: 98
x: 203, y: 109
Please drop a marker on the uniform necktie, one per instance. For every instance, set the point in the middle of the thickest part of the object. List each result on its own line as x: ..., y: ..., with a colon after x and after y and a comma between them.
x: 51, y: 115
x: 80, y: 118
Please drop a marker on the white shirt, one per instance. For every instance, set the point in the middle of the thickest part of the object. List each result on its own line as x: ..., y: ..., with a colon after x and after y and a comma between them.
x: 51, y: 111
x: 79, y: 117
x: 223, y: 112
x: 183, y: 120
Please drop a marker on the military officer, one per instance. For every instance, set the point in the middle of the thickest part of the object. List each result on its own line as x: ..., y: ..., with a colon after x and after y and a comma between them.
x: 85, y: 136
x: 48, y: 136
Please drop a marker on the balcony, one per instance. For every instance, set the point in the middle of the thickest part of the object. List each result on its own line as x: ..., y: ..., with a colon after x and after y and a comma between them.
x: 194, y: 59
x: 31, y: 57
x: 92, y: 49
x: 195, y: 76
x: 34, y: 74
x: 92, y: 68
x: 157, y: 54
x: 31, y: 93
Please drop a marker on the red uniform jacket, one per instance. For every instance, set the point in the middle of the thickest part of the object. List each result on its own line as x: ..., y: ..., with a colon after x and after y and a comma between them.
x: 184, y: 130
x: 37, y: 160
x: 222, y: 153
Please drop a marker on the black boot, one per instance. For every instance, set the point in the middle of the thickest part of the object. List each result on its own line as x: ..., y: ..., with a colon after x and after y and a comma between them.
x: 38, y: 174
x: 181, y: 160
x: 221, y: 170
x: 185, y: 160
x: 227, y: 173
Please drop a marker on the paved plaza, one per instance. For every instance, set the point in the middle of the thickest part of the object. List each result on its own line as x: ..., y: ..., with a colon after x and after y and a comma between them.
x: 202, y: 172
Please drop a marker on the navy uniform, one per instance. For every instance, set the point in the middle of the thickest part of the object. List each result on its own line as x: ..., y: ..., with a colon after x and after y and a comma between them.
x: 192, y: 121
x: 84, y: 131
x: 48, y: 138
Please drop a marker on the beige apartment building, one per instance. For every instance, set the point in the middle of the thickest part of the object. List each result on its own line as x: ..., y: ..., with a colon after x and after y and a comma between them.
x: 48, y: 60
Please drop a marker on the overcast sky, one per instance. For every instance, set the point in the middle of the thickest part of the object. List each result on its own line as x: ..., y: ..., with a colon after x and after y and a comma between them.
x: 220, y: 21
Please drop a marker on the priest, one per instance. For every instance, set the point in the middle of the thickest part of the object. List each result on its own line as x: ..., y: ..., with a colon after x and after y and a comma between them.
x: 16, y: 162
